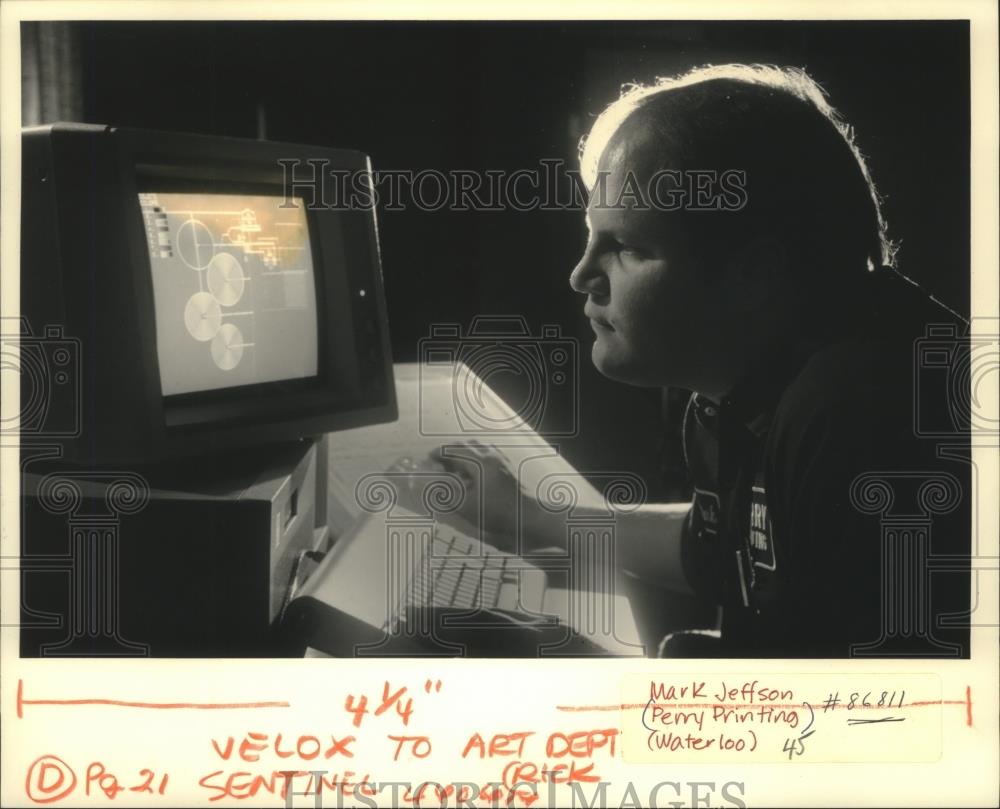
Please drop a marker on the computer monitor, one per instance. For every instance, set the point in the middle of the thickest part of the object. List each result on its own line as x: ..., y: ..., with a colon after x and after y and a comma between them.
x: 202, y: 295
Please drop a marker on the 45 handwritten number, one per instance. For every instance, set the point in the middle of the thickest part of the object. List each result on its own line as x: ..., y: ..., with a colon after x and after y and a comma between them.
x: 795, y: 746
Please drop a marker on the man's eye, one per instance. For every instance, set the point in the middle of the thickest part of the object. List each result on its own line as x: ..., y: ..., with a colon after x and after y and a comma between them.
x: 631, y: 250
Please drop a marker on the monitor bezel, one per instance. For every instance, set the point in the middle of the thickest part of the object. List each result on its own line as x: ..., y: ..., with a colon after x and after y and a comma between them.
x: 274, y: 410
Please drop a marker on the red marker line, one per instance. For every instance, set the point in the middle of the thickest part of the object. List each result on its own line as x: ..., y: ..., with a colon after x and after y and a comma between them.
x: 204, y: 706
x: 818, y: 704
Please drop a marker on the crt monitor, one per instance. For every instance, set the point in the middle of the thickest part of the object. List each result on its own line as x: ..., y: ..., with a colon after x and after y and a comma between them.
x: 205, y: 293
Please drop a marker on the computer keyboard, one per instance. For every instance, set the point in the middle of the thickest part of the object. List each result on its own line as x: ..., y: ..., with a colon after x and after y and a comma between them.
x: 460, y: 572
x: 405, y: 585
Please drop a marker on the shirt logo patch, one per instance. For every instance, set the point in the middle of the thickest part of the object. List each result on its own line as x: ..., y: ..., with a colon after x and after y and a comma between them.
x: 708, y: 509
x: 761, y: 531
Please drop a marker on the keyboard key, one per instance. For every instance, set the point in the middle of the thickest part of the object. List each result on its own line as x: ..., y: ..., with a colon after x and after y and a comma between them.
x: 491, y: 589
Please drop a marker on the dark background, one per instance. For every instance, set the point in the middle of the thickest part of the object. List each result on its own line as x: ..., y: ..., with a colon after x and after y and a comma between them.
x: 505, y: 96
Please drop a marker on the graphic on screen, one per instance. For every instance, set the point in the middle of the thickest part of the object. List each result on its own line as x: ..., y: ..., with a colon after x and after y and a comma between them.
x: 234, y: 290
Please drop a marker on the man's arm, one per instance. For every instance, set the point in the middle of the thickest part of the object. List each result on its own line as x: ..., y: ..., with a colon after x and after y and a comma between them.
x: 648, y: 538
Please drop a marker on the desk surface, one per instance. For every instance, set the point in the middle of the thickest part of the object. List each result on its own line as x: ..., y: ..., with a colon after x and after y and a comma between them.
x: 428, y: 419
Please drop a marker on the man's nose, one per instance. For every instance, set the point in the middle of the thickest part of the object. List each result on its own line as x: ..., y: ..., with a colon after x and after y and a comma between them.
x: 587, y: 277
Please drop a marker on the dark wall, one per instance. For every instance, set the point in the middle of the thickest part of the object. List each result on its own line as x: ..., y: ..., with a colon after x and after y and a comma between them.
x: 504, y: 96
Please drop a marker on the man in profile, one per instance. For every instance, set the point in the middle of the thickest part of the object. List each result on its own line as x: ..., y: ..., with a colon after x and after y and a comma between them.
x: 737, y: 249
x: 772, y: 297
x: 784, y: 316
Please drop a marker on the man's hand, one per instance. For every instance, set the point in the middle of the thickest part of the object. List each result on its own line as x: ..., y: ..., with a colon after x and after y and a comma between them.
x: 492, y: 492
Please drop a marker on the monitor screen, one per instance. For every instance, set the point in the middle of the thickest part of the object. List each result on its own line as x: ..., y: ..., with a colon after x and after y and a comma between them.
x: 234, y: 289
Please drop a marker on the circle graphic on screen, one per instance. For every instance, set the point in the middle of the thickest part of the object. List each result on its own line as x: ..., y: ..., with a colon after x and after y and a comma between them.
x: 227, y: 347
x: 225, y: 279
x: 195, y: 244
x: 202, y: 316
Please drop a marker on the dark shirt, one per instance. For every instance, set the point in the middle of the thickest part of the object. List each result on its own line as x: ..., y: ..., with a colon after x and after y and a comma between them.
x: 792, y: 531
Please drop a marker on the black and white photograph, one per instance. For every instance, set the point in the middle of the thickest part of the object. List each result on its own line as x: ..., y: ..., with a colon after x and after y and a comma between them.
x: 545, y: 340
x: 636, y: 344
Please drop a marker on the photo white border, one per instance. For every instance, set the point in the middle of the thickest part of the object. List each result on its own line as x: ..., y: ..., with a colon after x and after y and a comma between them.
x: 966, y: 774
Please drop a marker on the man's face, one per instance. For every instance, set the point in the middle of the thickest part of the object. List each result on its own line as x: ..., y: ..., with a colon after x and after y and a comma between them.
x: 654, y: 314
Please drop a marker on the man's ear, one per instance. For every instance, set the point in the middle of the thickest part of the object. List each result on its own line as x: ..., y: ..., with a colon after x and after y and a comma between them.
x: 755, y: 273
